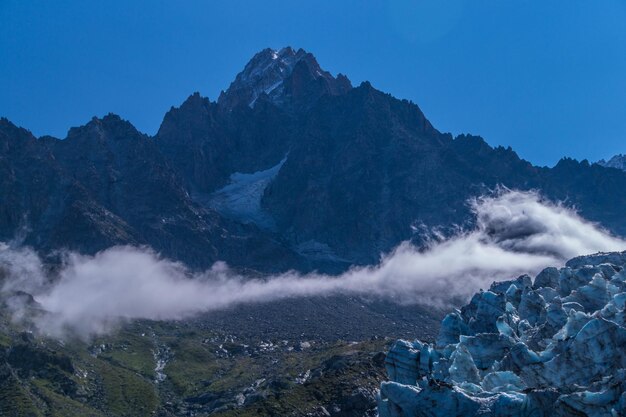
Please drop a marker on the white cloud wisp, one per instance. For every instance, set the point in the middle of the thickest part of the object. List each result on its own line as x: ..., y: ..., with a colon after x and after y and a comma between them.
x: 515, y: 233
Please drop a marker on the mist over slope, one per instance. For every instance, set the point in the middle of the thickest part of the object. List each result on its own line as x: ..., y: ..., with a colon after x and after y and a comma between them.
x: 516, y: 233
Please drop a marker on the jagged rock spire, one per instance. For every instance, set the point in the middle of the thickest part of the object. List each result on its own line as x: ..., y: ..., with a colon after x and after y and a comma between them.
x: 285, y: 76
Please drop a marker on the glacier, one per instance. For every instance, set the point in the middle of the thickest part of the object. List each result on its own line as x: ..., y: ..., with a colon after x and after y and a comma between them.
x: 241, y: 198
x: 555, y: 346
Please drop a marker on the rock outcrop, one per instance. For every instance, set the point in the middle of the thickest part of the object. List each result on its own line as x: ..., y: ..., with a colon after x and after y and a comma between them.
x: 555, y: 347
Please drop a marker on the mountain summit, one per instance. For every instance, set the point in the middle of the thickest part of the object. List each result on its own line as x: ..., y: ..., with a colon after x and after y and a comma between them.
x: 283, y: 76
x: 617, y: 161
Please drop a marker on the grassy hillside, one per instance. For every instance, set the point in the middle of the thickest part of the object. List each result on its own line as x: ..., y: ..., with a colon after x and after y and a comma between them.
x: 180, y: 368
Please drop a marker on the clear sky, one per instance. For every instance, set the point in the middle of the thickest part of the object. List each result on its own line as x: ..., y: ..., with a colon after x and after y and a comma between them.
x: 545, y: 77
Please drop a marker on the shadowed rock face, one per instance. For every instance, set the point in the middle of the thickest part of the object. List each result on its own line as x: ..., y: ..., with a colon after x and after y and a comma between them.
x: 45, y: 207
x: 354, y: 172
x: 123, y: 171
x: 552, y: 348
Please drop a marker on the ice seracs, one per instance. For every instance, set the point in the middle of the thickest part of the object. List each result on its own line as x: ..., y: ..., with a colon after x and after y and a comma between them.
x: 554, y: 347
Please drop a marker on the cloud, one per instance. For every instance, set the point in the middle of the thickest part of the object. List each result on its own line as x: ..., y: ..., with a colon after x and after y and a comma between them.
x: 21, y: 269
x: 516, y: 232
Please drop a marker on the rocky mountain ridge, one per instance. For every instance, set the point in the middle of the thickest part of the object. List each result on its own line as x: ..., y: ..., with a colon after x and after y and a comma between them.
x: 291, y: 168
x: 617, y: 161
x: 286, y: 77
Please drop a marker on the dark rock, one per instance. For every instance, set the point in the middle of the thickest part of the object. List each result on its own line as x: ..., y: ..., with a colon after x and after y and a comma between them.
x: 362, y: 171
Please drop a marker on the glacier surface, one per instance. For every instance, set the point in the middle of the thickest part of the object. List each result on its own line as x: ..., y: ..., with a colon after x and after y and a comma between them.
x: 552, y: 347
x: 240, y: 199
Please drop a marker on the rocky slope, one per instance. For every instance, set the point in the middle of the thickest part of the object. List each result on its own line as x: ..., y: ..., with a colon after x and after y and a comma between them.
x: 549, y: 347
x: 214, y: 365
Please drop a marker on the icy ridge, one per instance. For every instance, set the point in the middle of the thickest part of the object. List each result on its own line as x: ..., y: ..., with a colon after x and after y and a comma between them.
x: 555, y: 346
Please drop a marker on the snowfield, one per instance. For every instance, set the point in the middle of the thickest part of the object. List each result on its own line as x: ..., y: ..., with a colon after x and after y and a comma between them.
x: 241, y: 199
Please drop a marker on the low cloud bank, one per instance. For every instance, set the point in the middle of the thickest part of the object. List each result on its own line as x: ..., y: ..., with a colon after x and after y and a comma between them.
x: 516, y: 232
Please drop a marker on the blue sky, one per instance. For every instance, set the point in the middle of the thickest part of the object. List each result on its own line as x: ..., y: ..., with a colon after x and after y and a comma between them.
x: 545, y: 77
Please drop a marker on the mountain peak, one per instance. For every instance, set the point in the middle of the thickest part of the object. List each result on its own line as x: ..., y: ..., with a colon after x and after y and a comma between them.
x: 282, y: 75
x: 109, y: 127
x: 617, y: 161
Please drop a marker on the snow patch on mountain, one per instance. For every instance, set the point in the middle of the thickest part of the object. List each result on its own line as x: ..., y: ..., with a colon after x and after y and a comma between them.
x: 241, y: 199
x: 267, y: 91
x: 554, y: 347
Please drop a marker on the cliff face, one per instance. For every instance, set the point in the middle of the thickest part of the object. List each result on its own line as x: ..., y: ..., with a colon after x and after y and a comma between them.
x: 548, y: 347
x: 44, y: 206
x: 292, y: 167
